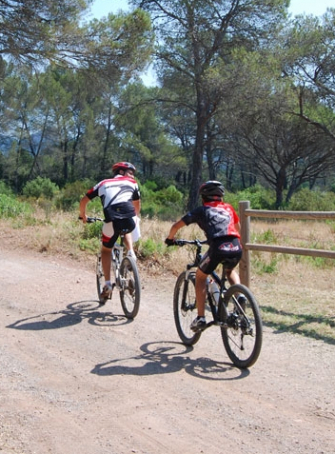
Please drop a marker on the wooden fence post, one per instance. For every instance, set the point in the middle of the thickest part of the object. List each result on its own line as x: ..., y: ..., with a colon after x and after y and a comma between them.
x: 244, y: 265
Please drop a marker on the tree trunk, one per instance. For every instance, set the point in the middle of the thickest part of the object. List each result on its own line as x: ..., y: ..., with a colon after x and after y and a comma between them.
x: 280, y: 185
x: 197, y: 161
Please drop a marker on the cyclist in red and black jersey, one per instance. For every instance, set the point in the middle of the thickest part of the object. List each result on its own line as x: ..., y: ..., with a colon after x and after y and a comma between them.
x: 120, y: 198
x: 221, y: 225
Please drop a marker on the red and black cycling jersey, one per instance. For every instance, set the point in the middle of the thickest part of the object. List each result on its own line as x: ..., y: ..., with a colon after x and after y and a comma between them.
x: 116, y: 196
x: 216, y: 219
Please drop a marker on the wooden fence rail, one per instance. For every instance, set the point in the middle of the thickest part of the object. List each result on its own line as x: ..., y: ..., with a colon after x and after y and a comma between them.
x: 246, y: 213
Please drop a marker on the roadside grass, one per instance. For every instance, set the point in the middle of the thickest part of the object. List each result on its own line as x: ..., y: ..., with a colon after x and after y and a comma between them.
x: 298, y: 299
x: 296, y: 294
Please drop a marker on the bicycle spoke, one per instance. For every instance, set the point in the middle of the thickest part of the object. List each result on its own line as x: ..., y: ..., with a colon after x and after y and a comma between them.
x: 184, y: 307
x: 242, y: 333
x: 130, y: 292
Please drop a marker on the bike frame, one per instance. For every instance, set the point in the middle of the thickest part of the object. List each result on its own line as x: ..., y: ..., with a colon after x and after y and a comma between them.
x: 241, y: 333
x: 221, y: 282
x: 117, y: 253
x: 216, y: 308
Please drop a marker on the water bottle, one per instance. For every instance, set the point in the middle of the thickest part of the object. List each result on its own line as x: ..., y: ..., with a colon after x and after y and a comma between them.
x: 214, y: 291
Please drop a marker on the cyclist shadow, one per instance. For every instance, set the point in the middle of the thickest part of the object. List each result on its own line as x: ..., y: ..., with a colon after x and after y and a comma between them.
x: 170, y: 357
x: 74, y: 314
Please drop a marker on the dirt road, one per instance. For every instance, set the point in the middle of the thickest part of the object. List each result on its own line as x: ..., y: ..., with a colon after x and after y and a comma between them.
x: 79, y: 379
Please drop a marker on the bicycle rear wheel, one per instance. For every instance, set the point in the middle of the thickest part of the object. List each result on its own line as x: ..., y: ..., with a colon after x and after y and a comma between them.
x: 184, y: 308
x: 130, y: 292
x: 242, y: 333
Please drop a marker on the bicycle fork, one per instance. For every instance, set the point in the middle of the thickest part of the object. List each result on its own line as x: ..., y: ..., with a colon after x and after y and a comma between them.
x: 116, y: 261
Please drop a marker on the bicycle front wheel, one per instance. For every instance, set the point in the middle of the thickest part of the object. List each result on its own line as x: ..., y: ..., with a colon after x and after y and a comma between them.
x: 130, y: 291
x: 185, y: 309
x: 242, y: 326
x: 100, y: 278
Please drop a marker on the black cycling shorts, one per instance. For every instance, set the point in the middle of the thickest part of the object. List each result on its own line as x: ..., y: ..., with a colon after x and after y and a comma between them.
x: 227, y: 250
x: 119, y: 226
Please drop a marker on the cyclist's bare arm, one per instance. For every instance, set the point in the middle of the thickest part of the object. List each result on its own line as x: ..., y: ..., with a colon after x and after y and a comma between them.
x: 174, y: 229
x: 137, y: 206
x: 82, y: 208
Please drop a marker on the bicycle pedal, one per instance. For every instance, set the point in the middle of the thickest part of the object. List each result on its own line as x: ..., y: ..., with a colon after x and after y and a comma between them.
x: 198, y: 329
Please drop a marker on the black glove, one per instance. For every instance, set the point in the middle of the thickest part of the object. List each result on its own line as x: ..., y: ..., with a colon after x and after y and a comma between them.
x: 169, y: 242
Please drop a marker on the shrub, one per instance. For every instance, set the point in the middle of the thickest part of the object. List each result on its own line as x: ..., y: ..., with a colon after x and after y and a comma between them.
x: 166, y: 203
x: 259, y: 198
x: 10, y: 207
x: 150, y: 248
x: 169, y: 195
x: 90, y: 245
x: 40, y: 187
x: 92, y: 230
x: 4, y: 189
x: 307, y: 200
x: 71, y: 194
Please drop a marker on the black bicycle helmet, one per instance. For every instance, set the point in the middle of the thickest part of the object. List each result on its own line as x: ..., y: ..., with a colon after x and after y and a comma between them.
x: 123, y: 166
x: 212, y: 190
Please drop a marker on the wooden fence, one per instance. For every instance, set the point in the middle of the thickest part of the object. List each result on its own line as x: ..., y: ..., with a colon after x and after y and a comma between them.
x: 246, y: 213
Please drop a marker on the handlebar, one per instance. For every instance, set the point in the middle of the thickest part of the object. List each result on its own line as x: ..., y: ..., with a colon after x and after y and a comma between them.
x: 90, y: 219
x: 195, y: 242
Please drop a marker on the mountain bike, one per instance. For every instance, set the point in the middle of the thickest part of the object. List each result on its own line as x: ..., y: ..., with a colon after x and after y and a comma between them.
x: 127, y: 279
x: 240, y: 322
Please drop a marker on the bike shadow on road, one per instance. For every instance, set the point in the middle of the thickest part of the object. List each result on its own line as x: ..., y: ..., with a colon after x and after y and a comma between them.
x: 170, y: 357
x: 74, y: 314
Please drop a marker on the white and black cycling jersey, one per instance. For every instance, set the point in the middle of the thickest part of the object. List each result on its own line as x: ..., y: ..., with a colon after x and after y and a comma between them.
x: 116, y: 196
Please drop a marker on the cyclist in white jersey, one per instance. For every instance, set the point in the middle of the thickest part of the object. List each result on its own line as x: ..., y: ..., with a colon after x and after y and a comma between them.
x: 121, y: 201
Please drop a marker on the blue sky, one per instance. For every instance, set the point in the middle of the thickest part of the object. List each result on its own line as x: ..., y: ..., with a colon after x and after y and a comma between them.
x: 316, y: 7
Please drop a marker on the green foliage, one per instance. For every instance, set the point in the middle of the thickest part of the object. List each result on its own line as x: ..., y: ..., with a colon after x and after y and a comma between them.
x: 5, y: 189
x: 40, y: 187
x: 92, y: 230
x: 71, y: 194
x: 150, y: 248
x: 90, y: 245
x: 262, y: 266
x: 11, y: 207
x: 307, y: 200
x: 267, y: 237
x: 165, y: 203
x: 149, y: 186
x: 169, y: 195
x: 319, y: 262
x: 90, y: 237
x: 259, y: 197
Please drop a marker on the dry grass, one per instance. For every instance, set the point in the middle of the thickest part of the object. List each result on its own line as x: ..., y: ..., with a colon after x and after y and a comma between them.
x: 295, y: 293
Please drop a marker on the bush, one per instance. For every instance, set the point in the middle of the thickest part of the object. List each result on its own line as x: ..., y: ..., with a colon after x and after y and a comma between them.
x: 168, y: 196
x: 71, y: 194
x: 10, y: 207
x: 307, y: 200
x: 166, y: 203
x: 92, y: 231
x: 40, y: 188
x: 150, y: 248
x: 259, y: 198
x: 4, y: 189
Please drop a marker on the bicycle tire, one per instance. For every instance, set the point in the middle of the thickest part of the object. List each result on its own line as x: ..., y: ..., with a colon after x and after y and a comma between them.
x: 130, y: 291
x: 100, y: 279
x: 183, y: 316
x: 243, y: 334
